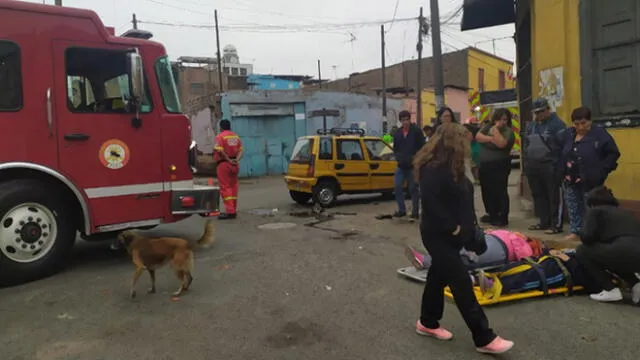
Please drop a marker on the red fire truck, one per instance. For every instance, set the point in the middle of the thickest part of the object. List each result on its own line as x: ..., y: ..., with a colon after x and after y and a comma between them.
x: 92, y: 137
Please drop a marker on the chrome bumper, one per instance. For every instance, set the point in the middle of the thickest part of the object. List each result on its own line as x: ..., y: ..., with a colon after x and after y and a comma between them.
x: 206, y: 199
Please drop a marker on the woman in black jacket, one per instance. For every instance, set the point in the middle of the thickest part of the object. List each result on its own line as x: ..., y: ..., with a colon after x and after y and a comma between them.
x: 448, y: 222
x: 610, y: 242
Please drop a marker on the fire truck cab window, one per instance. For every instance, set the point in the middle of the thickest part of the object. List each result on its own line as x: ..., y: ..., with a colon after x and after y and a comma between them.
x: 98, y: 82
x: 10, y: 77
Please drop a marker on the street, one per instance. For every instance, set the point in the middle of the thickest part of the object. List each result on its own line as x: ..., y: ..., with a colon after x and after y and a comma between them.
x: 294, y: 292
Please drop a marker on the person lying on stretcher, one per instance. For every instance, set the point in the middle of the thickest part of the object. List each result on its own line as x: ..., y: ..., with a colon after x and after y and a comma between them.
x: 503, y: 246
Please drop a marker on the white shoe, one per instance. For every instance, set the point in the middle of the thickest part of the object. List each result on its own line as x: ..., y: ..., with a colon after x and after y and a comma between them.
x: 608, y: 296
x: 635, y: 293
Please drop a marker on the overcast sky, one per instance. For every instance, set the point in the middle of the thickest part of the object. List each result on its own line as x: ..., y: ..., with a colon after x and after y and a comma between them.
x: 289, y: 36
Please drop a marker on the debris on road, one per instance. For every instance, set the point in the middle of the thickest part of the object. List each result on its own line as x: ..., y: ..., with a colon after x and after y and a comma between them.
x: 384, y: 217
x: 264, y: 212
x: 277, y: 226
x: 65, y: 316
x: 327, y: 287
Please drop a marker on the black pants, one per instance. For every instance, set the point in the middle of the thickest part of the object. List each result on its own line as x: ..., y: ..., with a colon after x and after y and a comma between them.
x: 494, y: 182
x: 545, y: 190
x: 621, y: 257
x: 447, y: 268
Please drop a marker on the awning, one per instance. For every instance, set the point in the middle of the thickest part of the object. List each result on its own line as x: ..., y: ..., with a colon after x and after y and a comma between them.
x: 478, y: 14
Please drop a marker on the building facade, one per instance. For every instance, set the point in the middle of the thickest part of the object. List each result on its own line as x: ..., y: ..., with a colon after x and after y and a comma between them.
x: 578, y: 53
x: 469, y: 68
x: 276, y: 82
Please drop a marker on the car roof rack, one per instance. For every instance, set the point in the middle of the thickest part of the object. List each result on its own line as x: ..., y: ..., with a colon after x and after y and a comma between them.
x: 341, y: 131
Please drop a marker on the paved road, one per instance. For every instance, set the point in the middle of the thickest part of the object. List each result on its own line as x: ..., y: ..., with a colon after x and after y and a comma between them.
x: 297, y: 293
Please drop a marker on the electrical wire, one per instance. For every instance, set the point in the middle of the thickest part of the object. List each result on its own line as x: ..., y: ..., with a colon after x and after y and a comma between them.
x: 395, y: 12
x: 263, y: 28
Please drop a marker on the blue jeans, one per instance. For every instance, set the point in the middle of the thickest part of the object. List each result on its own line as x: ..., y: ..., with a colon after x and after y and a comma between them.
x: 401, y: 176
x: 574, y: 198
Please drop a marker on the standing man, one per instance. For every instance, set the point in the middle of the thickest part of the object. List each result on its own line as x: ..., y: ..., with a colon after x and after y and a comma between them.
x: 406, y: 142
x: 542, y: 153
x: 227, y: 154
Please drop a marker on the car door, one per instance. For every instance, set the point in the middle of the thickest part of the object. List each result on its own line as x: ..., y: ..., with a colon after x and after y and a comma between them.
x: 382, y: 164
x: 351, y: 167
x: 117, y: 164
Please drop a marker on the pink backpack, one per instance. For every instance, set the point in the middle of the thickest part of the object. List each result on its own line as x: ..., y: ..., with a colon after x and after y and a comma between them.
x: 517, y: 246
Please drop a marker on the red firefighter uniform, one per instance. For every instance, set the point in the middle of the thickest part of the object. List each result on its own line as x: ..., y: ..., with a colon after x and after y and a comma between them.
x: 229, y: 143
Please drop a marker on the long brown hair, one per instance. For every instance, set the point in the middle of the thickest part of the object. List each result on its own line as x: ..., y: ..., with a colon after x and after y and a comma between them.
x: 449, y: 146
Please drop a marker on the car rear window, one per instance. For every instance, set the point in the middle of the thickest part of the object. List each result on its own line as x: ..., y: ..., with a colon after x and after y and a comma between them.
x: 302, y: 151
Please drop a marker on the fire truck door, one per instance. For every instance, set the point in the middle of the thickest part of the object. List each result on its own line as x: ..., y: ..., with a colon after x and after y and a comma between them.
x: 117, y: 165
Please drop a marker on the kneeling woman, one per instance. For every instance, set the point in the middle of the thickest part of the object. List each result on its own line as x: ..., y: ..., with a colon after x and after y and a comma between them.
x: 610, y: 244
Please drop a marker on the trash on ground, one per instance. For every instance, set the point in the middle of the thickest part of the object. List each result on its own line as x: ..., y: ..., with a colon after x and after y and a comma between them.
x: 277, y: 226
x: 327, y: 287
x: 264, y: 212
x: 384, y: 217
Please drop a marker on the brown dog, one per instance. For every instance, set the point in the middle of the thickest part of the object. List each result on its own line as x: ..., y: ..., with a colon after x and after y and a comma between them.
x: 152, y: 253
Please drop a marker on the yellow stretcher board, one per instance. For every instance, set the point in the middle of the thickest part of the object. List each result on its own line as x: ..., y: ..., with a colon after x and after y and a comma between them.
x: 494, y: 295
x: 487, y: 298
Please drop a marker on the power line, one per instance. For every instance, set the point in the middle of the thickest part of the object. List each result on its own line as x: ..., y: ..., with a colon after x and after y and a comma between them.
x: 318, y: 27
x: 395, y: 12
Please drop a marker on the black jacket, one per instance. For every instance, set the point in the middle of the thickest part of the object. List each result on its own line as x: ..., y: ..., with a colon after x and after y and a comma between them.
x: 445, y: 205
x: 405, y: 148
x: 604, y: 224
x: 597, y: 153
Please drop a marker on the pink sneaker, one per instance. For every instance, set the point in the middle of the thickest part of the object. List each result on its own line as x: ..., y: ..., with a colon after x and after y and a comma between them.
x: 415, y: 257
x: 439, y: 333
x: 497, y: 346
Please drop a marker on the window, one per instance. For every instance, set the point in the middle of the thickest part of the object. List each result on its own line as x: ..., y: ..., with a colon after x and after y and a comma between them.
x: 502, y: 80
x: 197, y: 88
x: 243, y: 72
x: 480, y: 79
x: 167, y: 85
x: 379, y: 151
x: 98, y: 82
x: 234, y: 71
x: 350, y: 150
x: 326, y: 148
x: 226, y: 70
x: 301, y: 153
x: 10, y: 77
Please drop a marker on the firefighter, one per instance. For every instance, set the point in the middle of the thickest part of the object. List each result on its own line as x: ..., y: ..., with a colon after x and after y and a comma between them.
x: 227, y: 154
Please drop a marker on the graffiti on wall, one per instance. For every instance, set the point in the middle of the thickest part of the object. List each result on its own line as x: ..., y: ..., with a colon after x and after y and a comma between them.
x: 551, y: 85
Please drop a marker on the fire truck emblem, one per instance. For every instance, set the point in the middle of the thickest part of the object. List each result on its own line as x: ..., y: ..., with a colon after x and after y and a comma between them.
x: 114, y: 154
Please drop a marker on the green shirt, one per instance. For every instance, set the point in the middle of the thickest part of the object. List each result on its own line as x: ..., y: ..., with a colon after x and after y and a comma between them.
x: 489, y: 152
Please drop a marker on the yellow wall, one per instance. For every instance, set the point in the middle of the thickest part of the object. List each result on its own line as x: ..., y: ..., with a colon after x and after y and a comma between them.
x: 492, y: 66
x: 429, y: 106
x: 556, y: 42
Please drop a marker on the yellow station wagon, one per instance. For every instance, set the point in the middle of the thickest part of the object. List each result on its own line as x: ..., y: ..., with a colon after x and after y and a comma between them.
x: 339, y: 161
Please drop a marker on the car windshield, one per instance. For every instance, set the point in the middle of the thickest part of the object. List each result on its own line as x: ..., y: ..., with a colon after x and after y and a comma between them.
x: 379, y: 150
x: 302, y: 151
x: 167, y: 85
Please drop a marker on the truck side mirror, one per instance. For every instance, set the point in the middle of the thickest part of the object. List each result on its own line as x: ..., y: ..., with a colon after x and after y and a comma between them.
x: 136, y: 85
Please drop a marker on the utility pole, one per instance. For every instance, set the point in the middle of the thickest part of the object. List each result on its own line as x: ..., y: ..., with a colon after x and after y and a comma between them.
x: 436, y: 45
x: 384, y: 76
x: 421, y: 23
x: 319, y: 75
x: 215, y: 14
x: 58, y: 2
x: 134, y: 21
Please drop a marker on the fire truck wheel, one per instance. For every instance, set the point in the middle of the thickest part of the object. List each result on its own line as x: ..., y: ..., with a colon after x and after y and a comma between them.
x: 36, y: 232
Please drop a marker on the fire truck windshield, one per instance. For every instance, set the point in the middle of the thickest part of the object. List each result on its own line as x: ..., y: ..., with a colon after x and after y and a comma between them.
x: 167, y: 85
